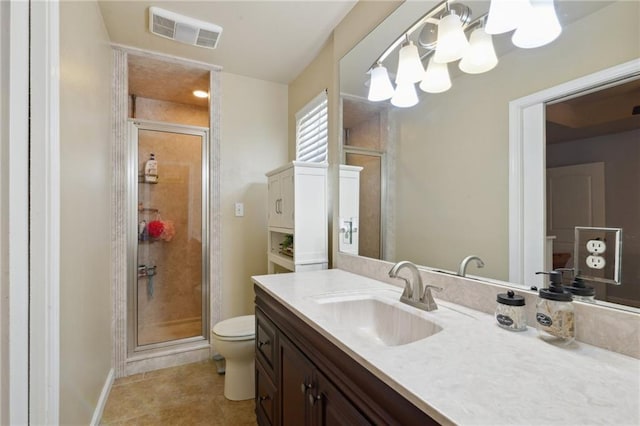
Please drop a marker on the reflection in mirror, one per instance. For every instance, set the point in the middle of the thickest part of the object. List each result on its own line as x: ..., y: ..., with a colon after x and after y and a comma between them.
x: 443, y: 185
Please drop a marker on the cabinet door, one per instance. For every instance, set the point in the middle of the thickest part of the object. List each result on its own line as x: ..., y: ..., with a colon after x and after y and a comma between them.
x: 265, y: 341
x: 274, y: 200
x: 330, y: 407
x: 296, y: 383
x: 266, y: 397
x: 288, y: 198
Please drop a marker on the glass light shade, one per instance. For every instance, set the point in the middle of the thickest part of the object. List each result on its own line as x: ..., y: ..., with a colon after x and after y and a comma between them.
x: 506, y: 15
x: 452, y: 43
x: 539, y: 28
x: 410, y: 69
x: 436, y: 78
x: 405, y: 95
x: 380, y: 87
x: 481, y: 55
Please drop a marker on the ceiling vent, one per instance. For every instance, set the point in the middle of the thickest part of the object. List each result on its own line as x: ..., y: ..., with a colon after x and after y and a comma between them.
x: 183, y: 29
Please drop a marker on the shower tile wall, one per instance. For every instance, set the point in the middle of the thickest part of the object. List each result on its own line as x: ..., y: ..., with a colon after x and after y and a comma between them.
x: 174, y: 309
x: 170, y: 112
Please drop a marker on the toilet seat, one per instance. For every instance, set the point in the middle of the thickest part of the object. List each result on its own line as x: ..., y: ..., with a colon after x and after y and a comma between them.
x: 236, y: 329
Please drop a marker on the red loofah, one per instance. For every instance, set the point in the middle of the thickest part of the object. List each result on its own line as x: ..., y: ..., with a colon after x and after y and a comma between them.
x: 155, y: 228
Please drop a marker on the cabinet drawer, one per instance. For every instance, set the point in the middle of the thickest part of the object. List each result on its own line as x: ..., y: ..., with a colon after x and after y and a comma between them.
x: 265, y: 341
x: 266, y: 394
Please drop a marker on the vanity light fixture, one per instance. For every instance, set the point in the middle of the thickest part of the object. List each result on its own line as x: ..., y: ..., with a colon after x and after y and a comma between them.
x: 410, y: 69
x: 540, y: 27
x: 452, y: 42
x: 405, y: 95
x: 200, y: 94
x: 505, y: 15
x: 436, y: 78
x: 442, y: 34
x: 481, y: 55
x: 380, y: 88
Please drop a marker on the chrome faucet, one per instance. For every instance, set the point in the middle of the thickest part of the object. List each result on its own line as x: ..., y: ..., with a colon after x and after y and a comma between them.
x: 415, y: 295
x: 463, y: 265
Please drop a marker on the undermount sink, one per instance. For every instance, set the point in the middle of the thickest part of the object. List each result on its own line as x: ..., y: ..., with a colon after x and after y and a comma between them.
x: 386, y: 322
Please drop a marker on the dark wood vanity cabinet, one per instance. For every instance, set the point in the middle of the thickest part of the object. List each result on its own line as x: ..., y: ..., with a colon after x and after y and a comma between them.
x: 303, y: 379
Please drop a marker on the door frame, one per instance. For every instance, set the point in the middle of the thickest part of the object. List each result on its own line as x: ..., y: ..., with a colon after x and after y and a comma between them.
x: 527, y: 168
x: 135, y: 125
x: 30, y: 326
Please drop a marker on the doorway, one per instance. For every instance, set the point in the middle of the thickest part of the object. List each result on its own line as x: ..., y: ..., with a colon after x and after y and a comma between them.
x: 168, y: 280
x: 527, y: 167
x: 153, y: 97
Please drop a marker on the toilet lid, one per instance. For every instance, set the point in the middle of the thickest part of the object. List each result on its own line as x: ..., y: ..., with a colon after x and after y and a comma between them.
x: 236, y: 327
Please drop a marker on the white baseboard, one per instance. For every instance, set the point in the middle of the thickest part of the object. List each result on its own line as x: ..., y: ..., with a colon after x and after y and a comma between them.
x: 102, y: 401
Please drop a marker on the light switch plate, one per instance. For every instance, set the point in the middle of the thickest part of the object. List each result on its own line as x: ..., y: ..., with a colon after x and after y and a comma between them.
x: 239, y: 209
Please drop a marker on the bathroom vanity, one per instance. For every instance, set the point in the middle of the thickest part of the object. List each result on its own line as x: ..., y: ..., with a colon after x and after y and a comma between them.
x: 301, y: 378
x: 333, y: 347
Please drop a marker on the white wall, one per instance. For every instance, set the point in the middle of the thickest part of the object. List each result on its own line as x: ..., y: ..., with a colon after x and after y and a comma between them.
x: 452, y: 158
x: 254, y: 141
x: 4, y: 282
x: 85, y: 255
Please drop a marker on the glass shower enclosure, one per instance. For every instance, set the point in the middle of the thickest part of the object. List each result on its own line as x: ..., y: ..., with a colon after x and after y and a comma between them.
x: 168, y: 235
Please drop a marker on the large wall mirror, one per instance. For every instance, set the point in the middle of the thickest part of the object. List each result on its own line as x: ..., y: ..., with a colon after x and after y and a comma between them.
x: 434, y: 184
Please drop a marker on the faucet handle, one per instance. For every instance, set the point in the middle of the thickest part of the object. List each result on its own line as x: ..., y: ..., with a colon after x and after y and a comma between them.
x: 433, y: 287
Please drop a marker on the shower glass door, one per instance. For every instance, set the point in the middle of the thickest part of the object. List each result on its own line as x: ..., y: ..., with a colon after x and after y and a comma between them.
x: 168, y: 282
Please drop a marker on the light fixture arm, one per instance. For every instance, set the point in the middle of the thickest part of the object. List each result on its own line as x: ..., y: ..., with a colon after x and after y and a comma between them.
x: 405, y: 35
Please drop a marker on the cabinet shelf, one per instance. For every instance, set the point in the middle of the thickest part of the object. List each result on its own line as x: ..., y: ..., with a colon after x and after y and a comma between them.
x: 282, y: 260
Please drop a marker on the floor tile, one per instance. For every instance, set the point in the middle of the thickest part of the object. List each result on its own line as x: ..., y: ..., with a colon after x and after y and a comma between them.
x: 191, y: 394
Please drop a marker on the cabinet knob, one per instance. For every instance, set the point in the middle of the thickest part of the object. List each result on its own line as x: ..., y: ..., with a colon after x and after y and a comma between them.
x: 314, y: 398
x: 264, y: 398
x: 265, y: 343
x: 305, y: 386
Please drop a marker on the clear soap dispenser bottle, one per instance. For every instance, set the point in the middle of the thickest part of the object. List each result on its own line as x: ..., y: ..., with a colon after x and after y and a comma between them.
x: 555, y: 319
x: 151, y: 170
x: 581, y: 292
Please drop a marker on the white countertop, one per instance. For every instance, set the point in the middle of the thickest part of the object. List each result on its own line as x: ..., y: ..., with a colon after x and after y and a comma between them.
x: 473, y: 372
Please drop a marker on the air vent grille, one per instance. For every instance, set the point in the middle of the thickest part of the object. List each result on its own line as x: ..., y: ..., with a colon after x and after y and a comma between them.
x: 183, y: 29
x: 207, y: 39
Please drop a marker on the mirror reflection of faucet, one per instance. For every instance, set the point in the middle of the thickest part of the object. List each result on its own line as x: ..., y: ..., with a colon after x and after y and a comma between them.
x: 462, y: 270
x: 415, y: 295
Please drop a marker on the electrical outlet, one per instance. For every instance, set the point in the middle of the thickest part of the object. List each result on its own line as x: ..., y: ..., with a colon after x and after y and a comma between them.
x: 595, y: 262
x: 596, y: 246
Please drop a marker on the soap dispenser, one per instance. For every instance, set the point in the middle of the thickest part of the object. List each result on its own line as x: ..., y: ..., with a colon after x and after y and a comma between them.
x: 554, y: 311
x: 151, y: 170
x: 581, y: 292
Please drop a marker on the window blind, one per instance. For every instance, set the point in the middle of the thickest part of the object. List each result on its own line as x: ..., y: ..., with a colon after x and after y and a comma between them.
x: 311, y: 130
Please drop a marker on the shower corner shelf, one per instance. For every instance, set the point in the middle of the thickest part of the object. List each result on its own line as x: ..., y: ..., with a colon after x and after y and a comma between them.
x: 141, y: 180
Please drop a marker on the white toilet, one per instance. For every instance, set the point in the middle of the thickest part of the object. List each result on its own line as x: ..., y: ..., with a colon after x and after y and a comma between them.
x: 234, y: 339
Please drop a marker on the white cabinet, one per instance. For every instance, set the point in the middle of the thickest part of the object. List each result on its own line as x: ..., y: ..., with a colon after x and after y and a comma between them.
x: 281, y: 199
x: 297, y: 217
x: 349, y: 208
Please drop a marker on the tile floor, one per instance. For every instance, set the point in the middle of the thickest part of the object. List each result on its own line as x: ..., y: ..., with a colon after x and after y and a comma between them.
x: 191, y: 394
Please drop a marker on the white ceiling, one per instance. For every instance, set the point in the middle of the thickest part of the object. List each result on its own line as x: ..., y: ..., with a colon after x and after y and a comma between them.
x: 267, y: 40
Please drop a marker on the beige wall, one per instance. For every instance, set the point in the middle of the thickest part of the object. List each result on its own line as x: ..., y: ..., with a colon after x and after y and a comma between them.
x: 323, y: 73
x: 85, y: 180
x: 254, y: 141
x: 452, y: 158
